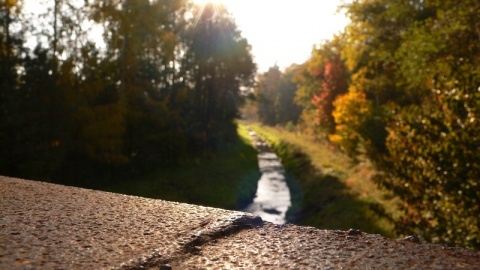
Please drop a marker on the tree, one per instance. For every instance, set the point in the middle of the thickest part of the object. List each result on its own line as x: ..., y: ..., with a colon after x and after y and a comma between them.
x: 351, y: 111
x: 433, y: 167
x: 417, y: 63
x: 40, y: 119
x: 334, y: 83
x: 266, y: 92
x: 97, y: 112
x: 433, y: 146
x: 72, y: 110
x: 286, y: 110
x: 142, y: 40
x: 10, y: 59
x: 217, y: 64
x: 321, y: 79
x: 275, y: 94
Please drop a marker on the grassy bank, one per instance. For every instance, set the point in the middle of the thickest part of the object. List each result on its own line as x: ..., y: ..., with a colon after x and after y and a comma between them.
x: 328, y: 190
x: 225, y: 179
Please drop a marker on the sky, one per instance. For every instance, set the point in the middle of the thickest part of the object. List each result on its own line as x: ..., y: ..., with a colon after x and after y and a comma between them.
x: 283, y: 32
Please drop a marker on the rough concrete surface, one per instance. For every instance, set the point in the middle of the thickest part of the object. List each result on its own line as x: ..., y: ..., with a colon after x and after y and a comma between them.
x: 46, y: 226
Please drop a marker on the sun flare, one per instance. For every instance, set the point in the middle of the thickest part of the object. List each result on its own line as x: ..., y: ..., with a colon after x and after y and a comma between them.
x: 224, y: 3
x: 265, y: 23
x: 215, y: 2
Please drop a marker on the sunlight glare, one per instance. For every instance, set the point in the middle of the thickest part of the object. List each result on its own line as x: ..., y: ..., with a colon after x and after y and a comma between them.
x: 215, y: 2
x: 202, y: 4
x: 284, y: 31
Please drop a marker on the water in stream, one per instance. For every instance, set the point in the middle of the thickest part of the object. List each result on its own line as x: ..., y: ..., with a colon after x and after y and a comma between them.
x: 272, y: 199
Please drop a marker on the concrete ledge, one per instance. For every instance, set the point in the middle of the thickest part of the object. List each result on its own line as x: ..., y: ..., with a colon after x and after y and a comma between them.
x: 46, y: 226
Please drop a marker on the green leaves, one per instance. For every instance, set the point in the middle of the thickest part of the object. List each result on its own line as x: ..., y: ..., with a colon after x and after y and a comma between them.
x: 433, y: 151
x: 164, y: 85
x: 267, y: 92
x: 217, y: 63
x: 412, y: 105
x: 275, y: 92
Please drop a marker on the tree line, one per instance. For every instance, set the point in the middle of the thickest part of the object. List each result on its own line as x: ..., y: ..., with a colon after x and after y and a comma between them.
x: 164, y: 85
x: 401, y: 87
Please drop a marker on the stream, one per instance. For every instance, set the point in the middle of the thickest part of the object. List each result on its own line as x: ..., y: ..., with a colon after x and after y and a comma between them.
x: 272, y: 199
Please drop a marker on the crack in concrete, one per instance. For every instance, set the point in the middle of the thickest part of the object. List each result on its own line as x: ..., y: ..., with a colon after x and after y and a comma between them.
x: 191, y: 244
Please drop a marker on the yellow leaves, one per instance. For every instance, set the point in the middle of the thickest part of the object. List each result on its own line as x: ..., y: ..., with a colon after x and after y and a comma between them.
x: 335, y: 138
x: 355, y: 44
x: 351, y: 110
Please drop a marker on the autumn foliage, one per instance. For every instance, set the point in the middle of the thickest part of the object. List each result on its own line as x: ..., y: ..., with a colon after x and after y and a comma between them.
x: 400, y: 87
x: 334, y: 83
x: 412, y: 108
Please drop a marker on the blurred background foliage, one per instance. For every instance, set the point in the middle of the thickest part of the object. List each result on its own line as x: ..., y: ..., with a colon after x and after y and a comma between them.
x: 164, y: 86
x: 401, y: 88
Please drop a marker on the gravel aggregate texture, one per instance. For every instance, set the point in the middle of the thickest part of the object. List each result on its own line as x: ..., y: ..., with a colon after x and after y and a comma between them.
x: 48, y: 226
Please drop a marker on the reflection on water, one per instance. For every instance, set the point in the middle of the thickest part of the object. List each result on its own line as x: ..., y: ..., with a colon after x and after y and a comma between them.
x: 272, y: 199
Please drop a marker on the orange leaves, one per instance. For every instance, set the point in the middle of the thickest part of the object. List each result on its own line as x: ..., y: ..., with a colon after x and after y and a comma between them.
x: 332, y: 80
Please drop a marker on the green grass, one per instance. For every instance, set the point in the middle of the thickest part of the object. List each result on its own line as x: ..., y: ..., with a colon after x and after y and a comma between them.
x: 225, y: 179
x: 329, y: 191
